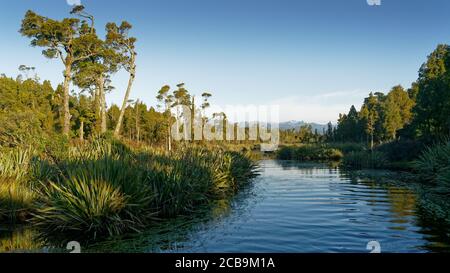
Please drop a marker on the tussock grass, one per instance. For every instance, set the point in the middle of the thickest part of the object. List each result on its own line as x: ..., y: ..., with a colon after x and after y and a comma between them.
x: 434, y: 165
x: 105, y: 188
x: 16, y: 194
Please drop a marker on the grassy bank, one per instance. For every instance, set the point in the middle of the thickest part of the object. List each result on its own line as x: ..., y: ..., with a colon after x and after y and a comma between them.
x: 396, y: 155
x: 106, y: 188
x: 317, y: 152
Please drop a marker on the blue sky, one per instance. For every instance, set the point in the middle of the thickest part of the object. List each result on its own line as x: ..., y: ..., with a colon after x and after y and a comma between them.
x: 315, y: 58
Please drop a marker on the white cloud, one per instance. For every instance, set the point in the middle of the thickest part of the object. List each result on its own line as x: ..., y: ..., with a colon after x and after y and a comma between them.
x: 73, y: 2
x: 320, y: 108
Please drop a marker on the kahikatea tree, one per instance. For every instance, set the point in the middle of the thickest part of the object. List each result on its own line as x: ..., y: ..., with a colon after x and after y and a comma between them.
x: 70, y: 40
x: 118, y: 39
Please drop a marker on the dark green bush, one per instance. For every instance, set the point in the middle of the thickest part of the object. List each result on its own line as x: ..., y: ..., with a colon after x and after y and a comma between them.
x: 309, y: 153
x: 401, y: 150
x: 365, y: 160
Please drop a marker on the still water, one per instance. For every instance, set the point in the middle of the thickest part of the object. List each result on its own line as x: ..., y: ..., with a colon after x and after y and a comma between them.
x: 301, y: 208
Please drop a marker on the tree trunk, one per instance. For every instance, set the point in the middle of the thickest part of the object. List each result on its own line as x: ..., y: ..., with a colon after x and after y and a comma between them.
x: 82, y: 131
x: 66, y: 98
x: 371, y: 141
x: 103, y: 126
x: 124, y: 105
x: 137, y: 122
x: 170, y: 139
x: 98, y: 108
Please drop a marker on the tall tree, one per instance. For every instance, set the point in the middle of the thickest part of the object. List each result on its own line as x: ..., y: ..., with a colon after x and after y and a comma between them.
x: 96, y: 72
x: 166, y: 100
x: 70, y: 40
x: 370, y: 116
x: 118, y: 38
x: 432, y: 110
x: 397, y: 111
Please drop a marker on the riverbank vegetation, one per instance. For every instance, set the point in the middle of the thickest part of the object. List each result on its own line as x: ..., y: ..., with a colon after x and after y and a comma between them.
x: 405, y: 129
x: 105, y: 188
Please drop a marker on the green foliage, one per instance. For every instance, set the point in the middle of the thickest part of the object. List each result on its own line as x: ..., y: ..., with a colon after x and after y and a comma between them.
x: 365, y: 160
x: 401, y: 150
x: 16, y: 201
x: 16, y: 194
x: 304, y: 134
x: 432, y: 112
x: 434, y: 164
x: 380, y: 119
x: 309, y: 153
x: 104, y: 188
x: 26, y: 112
x: 348, y: 147
x: 95, y: 198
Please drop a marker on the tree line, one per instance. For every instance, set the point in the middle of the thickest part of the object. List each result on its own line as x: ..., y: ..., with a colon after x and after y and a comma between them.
x: 420, y: 112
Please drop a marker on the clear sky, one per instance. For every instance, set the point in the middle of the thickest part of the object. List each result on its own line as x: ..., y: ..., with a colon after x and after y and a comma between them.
x: 315, y: 58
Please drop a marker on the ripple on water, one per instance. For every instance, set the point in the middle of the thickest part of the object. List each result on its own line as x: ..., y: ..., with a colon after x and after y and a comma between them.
x: 302, y: 208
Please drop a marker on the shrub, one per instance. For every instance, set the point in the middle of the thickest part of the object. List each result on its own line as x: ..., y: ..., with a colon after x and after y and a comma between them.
x: 92, y: 197
x: 16, y: 195
x: 95, y: 198
x: 401, y: 150
x: 365, y: 160
x: 14, y: 164
x: 191, y: 176
x: 433, y: 164
x: 309, y: 153
x: 346, y: 148
x: 285, y: 153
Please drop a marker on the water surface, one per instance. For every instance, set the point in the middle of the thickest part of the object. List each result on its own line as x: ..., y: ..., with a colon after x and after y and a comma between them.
x: 299, y: 208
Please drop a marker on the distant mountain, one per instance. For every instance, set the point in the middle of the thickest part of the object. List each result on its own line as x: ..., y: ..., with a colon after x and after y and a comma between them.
x: 289, y: 125
x: 294, y: 124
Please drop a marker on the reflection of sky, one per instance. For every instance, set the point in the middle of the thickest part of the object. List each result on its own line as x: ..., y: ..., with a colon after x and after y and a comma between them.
x: 311, y: 208
x: 314, y: 58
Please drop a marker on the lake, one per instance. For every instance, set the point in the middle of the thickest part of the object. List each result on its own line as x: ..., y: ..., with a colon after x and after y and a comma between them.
x: 301, y: 208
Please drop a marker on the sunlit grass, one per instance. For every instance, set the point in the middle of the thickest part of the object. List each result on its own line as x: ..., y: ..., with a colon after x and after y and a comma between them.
x: 105, y: 188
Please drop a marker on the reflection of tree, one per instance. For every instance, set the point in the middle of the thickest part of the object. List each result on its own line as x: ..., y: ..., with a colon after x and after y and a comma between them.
x: 403, y: 202
x: 433, y: 211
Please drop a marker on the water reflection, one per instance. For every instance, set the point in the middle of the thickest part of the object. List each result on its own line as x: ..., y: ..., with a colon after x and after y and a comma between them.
x: 21, y: 239
x: 296, y: 207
